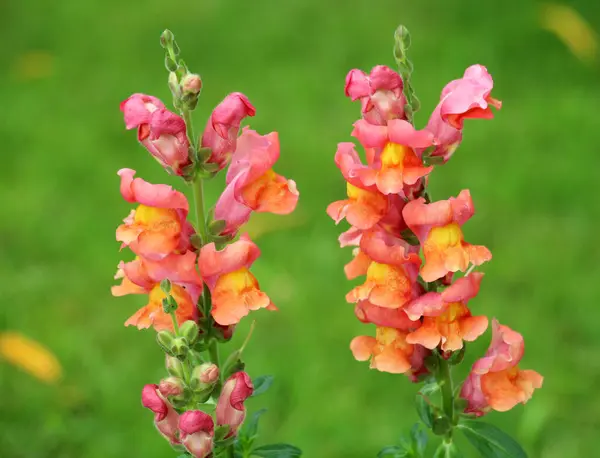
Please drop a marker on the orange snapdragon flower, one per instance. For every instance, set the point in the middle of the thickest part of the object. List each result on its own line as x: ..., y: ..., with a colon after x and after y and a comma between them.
x: 496, y: 382
x: 447, y: 320
x: 392, y: 273
x: 234, y: 290
x: 143, y: 276
x: 389, y: 351
x: 438, y: 228
x: 158, y: 226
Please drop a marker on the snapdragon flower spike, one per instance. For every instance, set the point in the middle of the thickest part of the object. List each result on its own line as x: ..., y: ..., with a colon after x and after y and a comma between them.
x: 466, y: 98
x: 234, y: 290
x: 496, y: 382
x: 165, y: 417
x: 143, y: 276
x: 252, y: 185
x: 394, y: 158
x: 380, y: 94
x: 220, y: 134
x: 447, y: 320
x: 230, y: 406
x: 161, y: 131
x: 197, y: 431
x: 438, y: 227
x: 388, y: 351
x: 392, y: 273
x: 158, y: 226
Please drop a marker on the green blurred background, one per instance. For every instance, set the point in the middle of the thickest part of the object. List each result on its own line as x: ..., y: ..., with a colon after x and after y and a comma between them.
x: 532, y: 171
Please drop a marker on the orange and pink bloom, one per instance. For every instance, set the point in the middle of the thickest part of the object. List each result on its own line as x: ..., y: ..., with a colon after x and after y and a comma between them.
x: 496, y: 382
x: 158, y: 226
x: 252, y: 185
x: 446, y: 319
x: 389, y: 352
x: 438, y: 227
x: 234, y: 290
x: 466, y: 98
x: 143, y: 277
x: 391, y: 274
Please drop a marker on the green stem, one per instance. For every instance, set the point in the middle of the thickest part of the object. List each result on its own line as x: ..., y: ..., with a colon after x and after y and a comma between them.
x: 175, y: 324
x: 445, y: 380
x: 199, y: 207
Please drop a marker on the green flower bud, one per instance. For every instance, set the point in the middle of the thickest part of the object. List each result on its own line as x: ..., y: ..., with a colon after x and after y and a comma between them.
x: 170, y: 64
x: 179, y: 347
x: 204, y: 377
x: 174, y: 366
x: 189, y: 330
x: 167, y: 38
x: 165, y: 340
x: 165, y: 285
x: 441, y: 425
x: 402, y: 37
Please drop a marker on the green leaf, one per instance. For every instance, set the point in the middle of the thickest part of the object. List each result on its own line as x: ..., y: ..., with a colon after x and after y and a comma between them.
x: 419, y: 439
x: 393, y: 451
x: 251, y: 427
x: 447, y: 450
x: 424, y: 409
x: 277, y: 451
x: 262, y: 384
x: 490, y: 441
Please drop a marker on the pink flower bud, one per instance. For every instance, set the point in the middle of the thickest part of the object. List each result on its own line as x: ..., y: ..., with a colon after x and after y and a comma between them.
x: 171, y: 386
x: 138, y: 108
x: 230, y: 407
x: 197, y: 431
x: 207, y: 373
x: 166, y: 139
x: 191, y: 84
x: 162, y: 132
x: 165, y: 417
x: 223, y: 126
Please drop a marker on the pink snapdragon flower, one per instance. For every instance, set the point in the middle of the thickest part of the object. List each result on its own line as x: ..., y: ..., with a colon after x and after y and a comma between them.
x: 197, y: 431
x: 230, y: 406
x: 220, y: 134
x: 161, y: 131
x: 380, y: 94
x: 165, y: 417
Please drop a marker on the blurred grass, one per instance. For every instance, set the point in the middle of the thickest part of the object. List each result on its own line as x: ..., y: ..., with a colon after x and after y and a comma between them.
x: 532, y: 172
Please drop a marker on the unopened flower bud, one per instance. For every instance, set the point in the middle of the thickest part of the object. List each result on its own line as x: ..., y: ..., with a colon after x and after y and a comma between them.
x: 191, y: 84
x: 402, y: 36
x: 197, y: 431
x: 174, y: 366
x: 171, y: 386
x: 179, y: 347
x: 190, y: 331
x: 165, y: 340
x: 204, y: 377
x: 166, y: 38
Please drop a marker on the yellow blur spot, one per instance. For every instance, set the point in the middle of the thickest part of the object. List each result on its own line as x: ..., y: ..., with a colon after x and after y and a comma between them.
x: 30, y: 356
x: 572, y: 29
x: 34, y: 65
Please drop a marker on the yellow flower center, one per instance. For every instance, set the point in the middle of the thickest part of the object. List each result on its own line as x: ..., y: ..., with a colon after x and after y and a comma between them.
x: 393, y: 155
x: 240, y: 281
x: 156, y: 218
x: 440, y: 238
